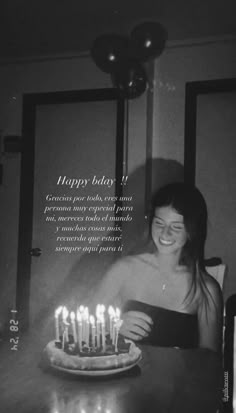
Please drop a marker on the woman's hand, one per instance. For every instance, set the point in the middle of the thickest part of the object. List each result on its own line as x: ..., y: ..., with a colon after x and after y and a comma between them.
x: 136, y: 325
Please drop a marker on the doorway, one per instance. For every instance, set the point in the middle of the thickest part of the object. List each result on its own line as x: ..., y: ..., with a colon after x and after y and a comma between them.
x: 210, y: 152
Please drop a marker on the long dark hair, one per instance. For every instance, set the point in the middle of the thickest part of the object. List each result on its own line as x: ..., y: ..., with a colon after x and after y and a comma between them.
x: 188, y: 201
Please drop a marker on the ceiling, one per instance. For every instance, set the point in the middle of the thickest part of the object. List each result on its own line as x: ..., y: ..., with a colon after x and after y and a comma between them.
x: 44, y: 27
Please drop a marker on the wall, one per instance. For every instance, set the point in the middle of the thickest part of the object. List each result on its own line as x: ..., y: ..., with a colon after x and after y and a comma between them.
x: 178, y: 65
x: 216, y: 175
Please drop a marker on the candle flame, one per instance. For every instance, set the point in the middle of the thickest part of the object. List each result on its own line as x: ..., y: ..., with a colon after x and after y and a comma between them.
x: 111, y: 311
x: 58, y: 311
x: 92, y: 320
x: 118, y: 313
x: 79, y: 316
x: 86, y: 313
x: 72, y: 316
x: 102, y: 308
x: 98, y: 310
x: 65, y: 313
x: 81, y: 308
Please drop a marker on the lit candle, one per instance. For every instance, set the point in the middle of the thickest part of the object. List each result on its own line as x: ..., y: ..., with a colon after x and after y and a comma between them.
x: 81, y: 309
x: 102, y: 312
x: 93, y: 328
x: 111, y: 313
x: 65, y: 313
x: 57, y: 326
x: 103, y: 332
x: 79, y: 321
x: 63, y: 339
x: 98, y: 324
x: 72, y: 317
x: 87, y: 332
x: 82, y: 321
x: 86, y: 325
x: 117, y: 329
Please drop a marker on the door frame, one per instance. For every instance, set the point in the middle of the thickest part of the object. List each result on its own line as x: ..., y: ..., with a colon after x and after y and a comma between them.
x: 30, y: 104
x: 192, y: 91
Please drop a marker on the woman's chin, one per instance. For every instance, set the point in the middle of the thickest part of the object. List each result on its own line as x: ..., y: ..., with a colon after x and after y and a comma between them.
x: 166, y: 250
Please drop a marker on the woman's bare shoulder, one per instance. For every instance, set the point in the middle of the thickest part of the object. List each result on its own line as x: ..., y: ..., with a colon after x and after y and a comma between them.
x: 134, y: 258
x: 211, y: 283
x: 121, y: 265
x: 146, y: 257
x: 129, y: 262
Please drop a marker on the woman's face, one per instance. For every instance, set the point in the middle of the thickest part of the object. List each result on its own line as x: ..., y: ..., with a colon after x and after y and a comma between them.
x: 168, y: 230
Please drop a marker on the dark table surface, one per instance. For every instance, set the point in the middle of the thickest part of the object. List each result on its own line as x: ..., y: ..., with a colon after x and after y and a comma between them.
x: 166, y: 380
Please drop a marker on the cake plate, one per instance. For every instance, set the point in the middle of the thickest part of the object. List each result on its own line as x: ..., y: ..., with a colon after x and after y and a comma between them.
x: 94, y: 373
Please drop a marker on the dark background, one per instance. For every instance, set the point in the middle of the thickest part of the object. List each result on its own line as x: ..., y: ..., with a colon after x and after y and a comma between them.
x: 31, y: 28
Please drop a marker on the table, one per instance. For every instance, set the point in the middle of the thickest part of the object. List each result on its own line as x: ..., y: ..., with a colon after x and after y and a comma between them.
x: 166, y: 380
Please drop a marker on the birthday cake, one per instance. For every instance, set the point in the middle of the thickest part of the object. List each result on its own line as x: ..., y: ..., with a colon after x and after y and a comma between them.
x: 92, y: 346
x: 128, y: 354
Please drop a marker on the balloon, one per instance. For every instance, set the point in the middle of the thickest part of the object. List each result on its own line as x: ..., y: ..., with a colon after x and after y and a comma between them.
x: 130, y: 79
x: 147, y: 40
x: 108, y: 50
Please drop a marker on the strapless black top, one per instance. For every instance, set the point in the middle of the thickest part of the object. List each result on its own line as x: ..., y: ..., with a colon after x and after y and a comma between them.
x: 170, y: 328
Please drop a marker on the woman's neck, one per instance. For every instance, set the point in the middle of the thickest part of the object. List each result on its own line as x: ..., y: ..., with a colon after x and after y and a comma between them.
x: 167, y: 262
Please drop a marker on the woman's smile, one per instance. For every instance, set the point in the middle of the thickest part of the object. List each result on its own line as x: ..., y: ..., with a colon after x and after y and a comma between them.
x: 166, y: 242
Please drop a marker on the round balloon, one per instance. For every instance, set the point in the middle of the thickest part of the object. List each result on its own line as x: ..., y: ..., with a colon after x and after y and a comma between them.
x: 130, y: 79
x: 108, y: 50
x: 147, y: 40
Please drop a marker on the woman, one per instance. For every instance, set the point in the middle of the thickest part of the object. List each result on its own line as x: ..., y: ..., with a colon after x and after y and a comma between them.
x: 167, y: 297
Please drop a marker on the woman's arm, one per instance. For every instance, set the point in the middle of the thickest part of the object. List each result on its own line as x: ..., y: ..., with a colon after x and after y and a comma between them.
x: 210, y: 317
